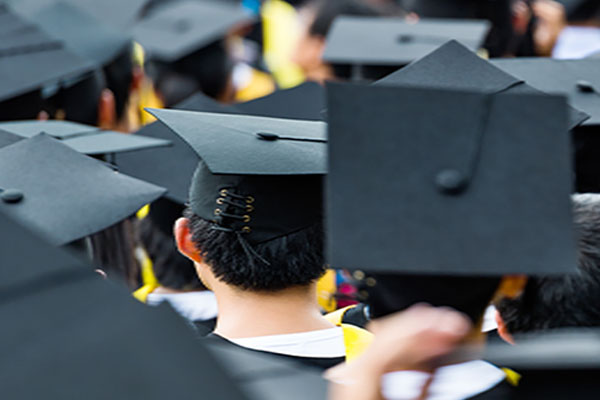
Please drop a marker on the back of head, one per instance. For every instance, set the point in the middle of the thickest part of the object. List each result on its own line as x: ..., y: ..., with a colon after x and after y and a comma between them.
x: 390, y: 293
x: 119, y: 76
x: 568, y: 300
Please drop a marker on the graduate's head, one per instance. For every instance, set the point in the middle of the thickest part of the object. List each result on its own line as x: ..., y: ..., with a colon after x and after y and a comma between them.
x: 308, y: 54
x: 254, y: 219
x: 569, y: 300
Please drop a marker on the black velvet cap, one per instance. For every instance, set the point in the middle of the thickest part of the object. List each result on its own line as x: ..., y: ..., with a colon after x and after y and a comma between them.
x: 81, y: 32
x: 65, y: 195
x: 366, y: 41
x: 453, y: 66
x: 95, y: 338
x: 258, y: 176
x: 181, y: 29
x: 84, y: 138
x: 578, y: 79
x: 157, y: 165
x: 426, y: 181
x: 30, y: 59
x: 562, y: 364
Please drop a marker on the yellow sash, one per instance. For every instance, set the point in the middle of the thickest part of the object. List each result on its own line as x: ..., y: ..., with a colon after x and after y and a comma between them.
x: 356, y: 340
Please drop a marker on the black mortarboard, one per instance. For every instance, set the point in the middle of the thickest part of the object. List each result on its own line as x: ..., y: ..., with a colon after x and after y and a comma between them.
x: 453, y: 66
x: 31, y: 59
x: 427, y: 181
x: 157, y: 165
x: 393, y: 42
x: 85, y: 139
x: 81, y: 32
x: 258, y: 176
x: 63, y: 194
x: 305, y: 101
x: 183, y: 28
x: 20, y: 266
x: 98, y: 342
x: 562, y: 364
x: 7, y: 138
x: 578, y: 79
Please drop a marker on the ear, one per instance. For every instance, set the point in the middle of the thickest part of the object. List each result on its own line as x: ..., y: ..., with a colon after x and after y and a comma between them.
x: 512, y: 286
x: 502, y: 331
x: 183, y: 238
x: 107, y: 110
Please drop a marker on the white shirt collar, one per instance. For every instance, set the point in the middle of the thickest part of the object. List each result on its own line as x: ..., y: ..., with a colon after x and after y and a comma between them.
x: 194, y: 306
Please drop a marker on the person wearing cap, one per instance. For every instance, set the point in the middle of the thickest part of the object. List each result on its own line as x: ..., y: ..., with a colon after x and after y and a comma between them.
x: 561, y: 301
x: 320, y: 15
x: 453, y: 220
x: 254, y: 230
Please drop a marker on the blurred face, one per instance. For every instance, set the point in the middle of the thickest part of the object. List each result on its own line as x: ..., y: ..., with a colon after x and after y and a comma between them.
x: 309, y: 52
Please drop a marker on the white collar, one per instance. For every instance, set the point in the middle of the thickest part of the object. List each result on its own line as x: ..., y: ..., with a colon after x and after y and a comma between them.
x: 194, y: 306
x: 576, y: 42
x: 325, y: 343
x: 453, y: 382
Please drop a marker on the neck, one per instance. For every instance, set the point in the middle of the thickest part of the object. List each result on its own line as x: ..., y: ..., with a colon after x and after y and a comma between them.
x: 244, y: 314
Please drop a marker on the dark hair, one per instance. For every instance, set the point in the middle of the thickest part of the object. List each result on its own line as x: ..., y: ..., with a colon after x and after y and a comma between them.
x: 570, y: 300
x: 328, y: 10
x: 172, y: 269
x: 295, y: 260
x: 25, y: 106
x: 113, y: 250
x: 469, y: 295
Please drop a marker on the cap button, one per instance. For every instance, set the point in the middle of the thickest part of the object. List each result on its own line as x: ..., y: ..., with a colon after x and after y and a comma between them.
x: 270, y: 137
x: 11, y: 196
x: 450, y: 181
x: 585, y: 87
x: 405, y: 38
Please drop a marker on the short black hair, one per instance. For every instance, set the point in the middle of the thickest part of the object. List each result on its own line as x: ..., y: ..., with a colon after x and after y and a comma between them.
x: 328, y: 10
x: 469, y: 295
x: 119, y: 75
x: 569, y: 300
x: 295, y: 260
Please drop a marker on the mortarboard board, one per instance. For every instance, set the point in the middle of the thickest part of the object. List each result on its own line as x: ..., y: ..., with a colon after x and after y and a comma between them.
x: 81, y: 32
x: 7, y: 138
x: 65, y: 195
x: 578, y: 79
x: 305, y: 101
x: 457, y: 186
x: 183, y: 28
x: 561, y: 364
x: 243, y: 159
x: 453, y: 66
x: 83, y: 138
x: 394, y: 42
x: 157, y: 165
x: 95, y: 340
x: 30, y: 59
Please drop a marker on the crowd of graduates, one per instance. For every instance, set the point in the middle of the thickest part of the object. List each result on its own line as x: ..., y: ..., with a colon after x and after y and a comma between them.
x: 309, y: 199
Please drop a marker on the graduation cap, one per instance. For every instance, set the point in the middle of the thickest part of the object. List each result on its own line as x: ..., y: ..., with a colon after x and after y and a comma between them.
x: 257, y: 176
x: 81, y: 32
x: 393, y: 42
x: 30, y: 59
x: 454, y: 66
x: 183, y: 28
x: 157, y: 165
x: 560, y: 364
x: 438, y: 182
x: 65, y: 195
x: 578, y: 79
x: 7, y: 138
x: 96, y: 339
x: 118, y: 13
x: 84, y: 138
